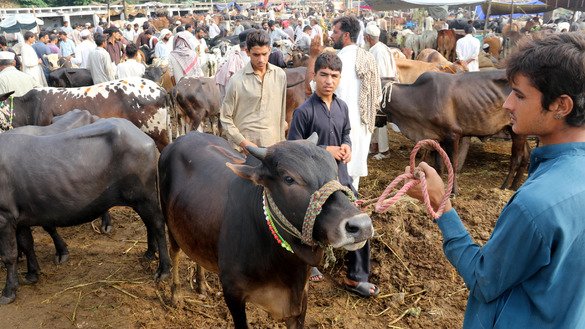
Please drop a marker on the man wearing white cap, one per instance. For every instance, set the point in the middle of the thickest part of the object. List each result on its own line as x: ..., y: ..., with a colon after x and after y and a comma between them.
x: 177, y: 24
x: 163, y: 48
x: 12, y: 79
x: 83, y: 49
x: 386, y: 69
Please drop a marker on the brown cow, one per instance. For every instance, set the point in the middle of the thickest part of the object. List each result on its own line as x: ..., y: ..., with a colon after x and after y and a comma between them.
x: 159, y: 23
x: 410, y: 70
x: 446, y: 41
x: 495, y: 44
x: 295, y: 90
x: 195, y: 99
x: 447, y: 107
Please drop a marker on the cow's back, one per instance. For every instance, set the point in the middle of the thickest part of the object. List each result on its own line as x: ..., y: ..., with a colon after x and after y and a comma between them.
x: 194, y: 187
x: 76, y: 175
x: 140, y: 101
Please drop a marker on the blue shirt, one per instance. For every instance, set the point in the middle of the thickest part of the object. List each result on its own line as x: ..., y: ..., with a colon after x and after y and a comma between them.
x: 529, y: 274
x: 331, y: 125
x: 41, y: 49
x: 67, y: 48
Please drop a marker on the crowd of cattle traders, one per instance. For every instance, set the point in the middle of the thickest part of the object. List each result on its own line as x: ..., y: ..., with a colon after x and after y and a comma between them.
x: 106, y: 133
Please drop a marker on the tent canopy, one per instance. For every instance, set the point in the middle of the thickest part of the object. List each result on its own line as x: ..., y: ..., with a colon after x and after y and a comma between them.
x: 17, y: 22
x: 384, y: 5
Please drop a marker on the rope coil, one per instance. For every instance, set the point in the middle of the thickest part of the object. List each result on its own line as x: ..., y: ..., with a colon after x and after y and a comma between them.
x: 415, y: 177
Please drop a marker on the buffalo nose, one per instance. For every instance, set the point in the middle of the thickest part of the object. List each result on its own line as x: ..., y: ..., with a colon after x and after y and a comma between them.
x: 360, y: 226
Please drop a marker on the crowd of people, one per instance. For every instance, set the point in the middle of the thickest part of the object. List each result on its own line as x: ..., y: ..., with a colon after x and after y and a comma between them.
x: 535, y: 250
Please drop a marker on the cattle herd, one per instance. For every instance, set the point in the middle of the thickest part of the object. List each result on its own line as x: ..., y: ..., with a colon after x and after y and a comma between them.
x: 75, y: 152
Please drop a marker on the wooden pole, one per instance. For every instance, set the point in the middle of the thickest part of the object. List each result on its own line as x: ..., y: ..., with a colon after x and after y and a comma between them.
x: 108, y: 8
x: 511, y: 14
x: 487, y: 16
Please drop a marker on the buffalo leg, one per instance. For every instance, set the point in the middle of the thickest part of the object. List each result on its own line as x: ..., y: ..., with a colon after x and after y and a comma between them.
x: 298, y: 322
x: 200, y: 277
x: 8, y: 254
x: 151, y: 215
x: 235, y: 302
x: 61, y: 251
x: 519, y: 157
x: 26, y: 243
x: 106, y: 223
x: 175, y: 251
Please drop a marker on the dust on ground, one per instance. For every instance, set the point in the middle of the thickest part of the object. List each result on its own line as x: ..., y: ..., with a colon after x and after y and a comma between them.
x: 106, y: 285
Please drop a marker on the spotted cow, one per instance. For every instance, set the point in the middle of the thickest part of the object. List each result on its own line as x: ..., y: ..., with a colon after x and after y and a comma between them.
x: 141, y: 101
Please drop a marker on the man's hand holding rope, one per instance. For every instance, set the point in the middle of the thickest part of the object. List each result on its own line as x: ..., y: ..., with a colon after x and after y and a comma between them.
x: 435, y: 186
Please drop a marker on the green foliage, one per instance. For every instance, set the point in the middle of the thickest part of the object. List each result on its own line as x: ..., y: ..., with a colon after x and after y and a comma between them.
x: 32, y: 3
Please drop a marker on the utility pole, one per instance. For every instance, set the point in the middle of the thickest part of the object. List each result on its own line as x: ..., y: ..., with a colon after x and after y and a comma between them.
x: 487, y: 16
x: 108, y: 8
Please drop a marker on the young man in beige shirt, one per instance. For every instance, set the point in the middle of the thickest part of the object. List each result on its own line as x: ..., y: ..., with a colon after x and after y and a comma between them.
x: 254, y: 109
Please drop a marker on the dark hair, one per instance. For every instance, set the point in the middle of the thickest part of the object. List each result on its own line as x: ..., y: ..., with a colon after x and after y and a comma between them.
x: 555, y: 65
x: 60, y: 33
x: 271, y: 23
x: 131, y: 50
x: 7, y: 62
x: 53, y: 37
x: 28, y: 35
x: 188, y: 26
x: 145, y: 25
x: 306, y: 28
x: 180, y: 29
x: 349, y: 24
x: 328, y: 60
x: 3, y: 41
x: 257, y: 38
x: 200, y: 28
x: 468, y: 29
x: 42, y: 34
x: 99, y: 39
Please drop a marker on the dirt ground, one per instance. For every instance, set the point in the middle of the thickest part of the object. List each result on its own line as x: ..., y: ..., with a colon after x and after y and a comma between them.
x: 105, y: 284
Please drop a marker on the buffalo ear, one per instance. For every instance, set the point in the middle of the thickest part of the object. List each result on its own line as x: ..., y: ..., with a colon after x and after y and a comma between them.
x: 246, y: 172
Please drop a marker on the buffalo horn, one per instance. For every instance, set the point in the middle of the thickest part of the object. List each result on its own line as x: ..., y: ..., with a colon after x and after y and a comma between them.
x: 314, y: 138
x: 258, y: 152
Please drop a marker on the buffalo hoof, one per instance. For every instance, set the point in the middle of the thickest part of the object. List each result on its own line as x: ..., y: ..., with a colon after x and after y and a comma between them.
x: 161, y: 275
x: 106, y: 229
x: 149, y: 255
x: 7, y: 300
x: 30, y: 278
x: 61, y: 259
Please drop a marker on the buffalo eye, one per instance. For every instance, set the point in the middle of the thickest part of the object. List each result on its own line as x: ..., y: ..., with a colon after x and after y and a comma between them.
x: 289, y: 180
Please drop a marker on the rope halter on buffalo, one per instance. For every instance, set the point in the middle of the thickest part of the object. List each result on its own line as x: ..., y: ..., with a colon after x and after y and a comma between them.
x: 316, y: 202
x: 415, y: 177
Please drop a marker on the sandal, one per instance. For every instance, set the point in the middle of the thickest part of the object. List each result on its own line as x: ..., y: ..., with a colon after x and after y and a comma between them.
x: 363, y: 289
x: 316, y: 275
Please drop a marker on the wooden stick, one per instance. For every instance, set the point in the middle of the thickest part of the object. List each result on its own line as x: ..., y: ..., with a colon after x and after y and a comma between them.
x: 89, y: 284
x: 124, y: 291
x: 133, y: 245
x: 75, y: 308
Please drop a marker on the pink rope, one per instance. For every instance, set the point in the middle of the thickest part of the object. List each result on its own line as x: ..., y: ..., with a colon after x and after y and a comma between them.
x: 415, y: 177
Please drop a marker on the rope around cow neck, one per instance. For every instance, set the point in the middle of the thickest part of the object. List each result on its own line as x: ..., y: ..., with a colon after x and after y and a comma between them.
x: 415, y: 177
x: 316, y: 202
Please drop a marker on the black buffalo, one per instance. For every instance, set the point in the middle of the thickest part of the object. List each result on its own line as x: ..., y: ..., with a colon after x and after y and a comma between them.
x: 69, y: 78
x: 215, y: 207
x: 71, y: 178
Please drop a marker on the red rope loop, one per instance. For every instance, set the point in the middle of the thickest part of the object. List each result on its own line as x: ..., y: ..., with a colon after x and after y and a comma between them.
x: 415, y: 177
